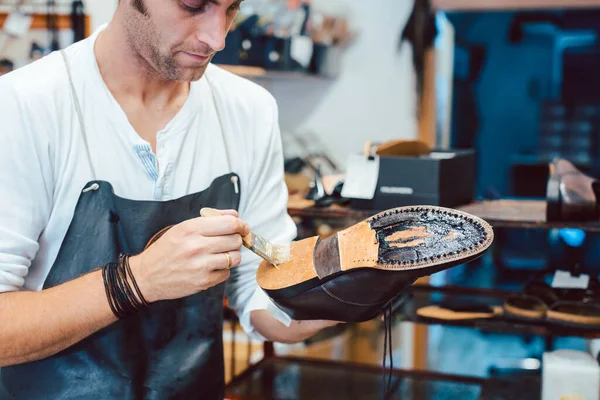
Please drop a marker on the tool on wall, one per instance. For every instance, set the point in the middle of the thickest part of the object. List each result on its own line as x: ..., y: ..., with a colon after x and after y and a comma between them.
x: 420, y: 31
x: 52, y: 24
x: 78, y: 20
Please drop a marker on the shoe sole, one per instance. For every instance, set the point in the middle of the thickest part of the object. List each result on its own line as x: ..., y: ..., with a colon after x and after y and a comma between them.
x: 424, y: 240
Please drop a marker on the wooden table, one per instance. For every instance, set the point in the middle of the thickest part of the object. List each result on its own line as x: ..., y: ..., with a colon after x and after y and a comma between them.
x: 521, y: 214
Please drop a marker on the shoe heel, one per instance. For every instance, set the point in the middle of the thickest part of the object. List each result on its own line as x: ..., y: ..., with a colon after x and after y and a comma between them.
x: 553, y: 200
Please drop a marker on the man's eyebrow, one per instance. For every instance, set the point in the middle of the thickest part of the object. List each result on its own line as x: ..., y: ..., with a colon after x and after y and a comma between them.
x: 218, y: 2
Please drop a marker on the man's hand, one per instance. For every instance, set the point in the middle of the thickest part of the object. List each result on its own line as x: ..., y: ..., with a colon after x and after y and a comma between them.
x: 189, y: 257
x: 184, y: 261
x: 275, y: 331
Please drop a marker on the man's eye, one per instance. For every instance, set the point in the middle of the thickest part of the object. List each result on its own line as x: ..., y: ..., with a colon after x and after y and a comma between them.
x: 194, y: 6
x: 199, y: 6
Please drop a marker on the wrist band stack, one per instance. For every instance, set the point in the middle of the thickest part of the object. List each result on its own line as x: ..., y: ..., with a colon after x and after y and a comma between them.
x: 121, y: 297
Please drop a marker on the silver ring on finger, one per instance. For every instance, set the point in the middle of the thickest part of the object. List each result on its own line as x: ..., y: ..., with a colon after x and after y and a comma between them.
x: 228, y: 259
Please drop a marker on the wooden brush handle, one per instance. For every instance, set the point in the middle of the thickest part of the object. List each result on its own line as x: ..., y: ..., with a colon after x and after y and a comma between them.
x: 211, y: 212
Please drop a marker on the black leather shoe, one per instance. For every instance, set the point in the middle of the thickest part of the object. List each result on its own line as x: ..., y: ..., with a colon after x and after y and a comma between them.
x: 352, y: 275
x: 570, y: 194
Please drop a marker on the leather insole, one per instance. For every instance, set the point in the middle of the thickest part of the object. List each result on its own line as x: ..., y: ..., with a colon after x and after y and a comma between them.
x: 437, y: 312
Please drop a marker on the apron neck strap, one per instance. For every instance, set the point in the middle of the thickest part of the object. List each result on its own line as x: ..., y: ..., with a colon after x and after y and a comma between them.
x: 220, y: 118
x: 82, y: 125
x: 79, y: 113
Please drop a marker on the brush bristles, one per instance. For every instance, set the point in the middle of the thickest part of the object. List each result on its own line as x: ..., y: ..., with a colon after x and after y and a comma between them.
x: 274, y: 253
x: 280, y: 253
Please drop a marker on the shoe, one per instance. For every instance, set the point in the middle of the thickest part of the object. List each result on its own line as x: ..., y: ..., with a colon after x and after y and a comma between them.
x: 578, y: 308
x: 533, y: 302
x: 570, y: 194
x: 352, y: 275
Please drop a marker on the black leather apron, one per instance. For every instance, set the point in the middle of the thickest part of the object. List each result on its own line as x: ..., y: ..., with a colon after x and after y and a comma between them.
x: 172, y: 350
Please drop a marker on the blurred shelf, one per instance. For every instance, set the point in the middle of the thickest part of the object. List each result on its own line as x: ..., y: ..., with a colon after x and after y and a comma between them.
x: 257, y: 73
x: 539, y: 161
x: 498, y: 5
x: 39, y: 21
x: 330, y: 212
x: 462, y: 290
x: 423, y: 296
x: 506, y: 213
x: 509, y: 213
x: 245, y: 71
x: 293, y: 378
x: 525, y: 388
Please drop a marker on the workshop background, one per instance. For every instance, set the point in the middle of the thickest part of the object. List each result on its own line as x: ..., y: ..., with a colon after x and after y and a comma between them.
x: 484, y: 94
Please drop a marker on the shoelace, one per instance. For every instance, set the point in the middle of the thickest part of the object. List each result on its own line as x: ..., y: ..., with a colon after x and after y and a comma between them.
x: 387, y: 351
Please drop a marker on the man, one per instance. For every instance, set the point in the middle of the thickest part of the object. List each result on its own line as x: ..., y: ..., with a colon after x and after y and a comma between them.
x: 112, y: 285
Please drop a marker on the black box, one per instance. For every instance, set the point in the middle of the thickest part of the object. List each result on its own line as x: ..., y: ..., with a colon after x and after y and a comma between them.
x: 443, y: 178
x: 268, y: 52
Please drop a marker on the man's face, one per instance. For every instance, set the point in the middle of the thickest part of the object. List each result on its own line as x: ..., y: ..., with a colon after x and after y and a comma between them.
x: 178, y: 38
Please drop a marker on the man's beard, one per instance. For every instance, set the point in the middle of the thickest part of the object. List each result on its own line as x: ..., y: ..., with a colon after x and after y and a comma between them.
x: 144, y: 39
x: 166, y: 65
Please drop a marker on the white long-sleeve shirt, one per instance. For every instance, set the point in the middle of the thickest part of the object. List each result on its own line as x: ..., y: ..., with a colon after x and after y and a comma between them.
x: 44, y: 164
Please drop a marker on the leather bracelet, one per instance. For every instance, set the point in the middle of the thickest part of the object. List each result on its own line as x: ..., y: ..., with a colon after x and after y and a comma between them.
x: 105, y: 279
x: 122, y: 299
x: 128, y: 295
x: 125, y: 260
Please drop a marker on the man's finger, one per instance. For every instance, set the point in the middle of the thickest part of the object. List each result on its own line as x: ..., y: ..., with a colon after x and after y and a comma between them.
x: 220, y: 226
x: 220, y: 261
x: 229, y: 212
x: 221, y: 244
x: 212, y: 223
x: 213, y: 212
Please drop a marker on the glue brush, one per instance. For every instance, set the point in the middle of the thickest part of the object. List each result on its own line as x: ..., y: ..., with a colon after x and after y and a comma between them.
x: 273, y: 253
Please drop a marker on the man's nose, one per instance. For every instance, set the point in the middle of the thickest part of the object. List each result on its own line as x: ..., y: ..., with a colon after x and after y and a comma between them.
x: 212, y: 29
